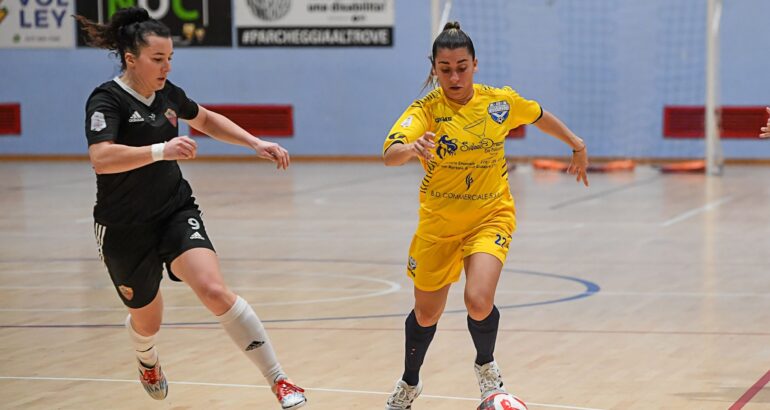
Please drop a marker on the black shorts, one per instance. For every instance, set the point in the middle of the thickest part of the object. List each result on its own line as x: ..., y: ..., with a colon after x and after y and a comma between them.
x: 135, y: 255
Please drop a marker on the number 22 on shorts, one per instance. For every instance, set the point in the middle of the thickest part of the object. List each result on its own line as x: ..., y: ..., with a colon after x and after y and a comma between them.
x: 503, y: 240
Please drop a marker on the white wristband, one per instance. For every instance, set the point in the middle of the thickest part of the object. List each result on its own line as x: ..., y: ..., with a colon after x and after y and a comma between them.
x: 157, y: 151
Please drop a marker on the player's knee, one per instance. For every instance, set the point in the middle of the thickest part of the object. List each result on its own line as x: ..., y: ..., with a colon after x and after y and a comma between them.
x: 479, y: 305
x: 427, y: 317
x: 215, y: 294
x: 146, y: 327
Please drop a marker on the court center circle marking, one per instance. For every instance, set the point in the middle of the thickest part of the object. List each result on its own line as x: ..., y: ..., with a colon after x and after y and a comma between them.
x: 590, y: 289
x: 392, y: 287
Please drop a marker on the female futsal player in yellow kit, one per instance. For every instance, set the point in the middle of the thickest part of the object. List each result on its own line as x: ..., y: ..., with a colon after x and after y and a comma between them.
x: 466, y: 209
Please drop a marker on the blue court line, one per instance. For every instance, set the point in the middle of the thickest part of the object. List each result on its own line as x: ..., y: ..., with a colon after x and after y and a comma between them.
x: 591, y: 288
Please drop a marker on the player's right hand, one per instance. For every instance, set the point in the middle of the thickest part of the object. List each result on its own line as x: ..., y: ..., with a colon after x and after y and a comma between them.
x: 182, y: 147
x: 579, y: 165
x: 424, y: 146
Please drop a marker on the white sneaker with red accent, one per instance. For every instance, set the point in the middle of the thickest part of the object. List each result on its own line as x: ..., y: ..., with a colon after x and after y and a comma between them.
x: 153, y: 380
x: 289, y: 395
x: 403, y: 395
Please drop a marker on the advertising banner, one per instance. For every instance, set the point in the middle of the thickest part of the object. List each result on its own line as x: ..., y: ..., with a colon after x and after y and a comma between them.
x: 37, y: 24
x: 193, y: 23
x: 314, y: 23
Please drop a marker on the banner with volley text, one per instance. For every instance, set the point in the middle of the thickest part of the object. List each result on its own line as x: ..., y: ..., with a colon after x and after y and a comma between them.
x: 37, y: 24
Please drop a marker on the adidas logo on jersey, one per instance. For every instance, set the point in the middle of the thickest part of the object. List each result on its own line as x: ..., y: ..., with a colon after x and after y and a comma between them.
x: 135, y: 117
x: 254, y: 345
x: 197, y: 235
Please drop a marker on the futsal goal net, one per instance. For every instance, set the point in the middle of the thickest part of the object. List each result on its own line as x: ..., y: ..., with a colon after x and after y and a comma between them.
x: 638, y: 80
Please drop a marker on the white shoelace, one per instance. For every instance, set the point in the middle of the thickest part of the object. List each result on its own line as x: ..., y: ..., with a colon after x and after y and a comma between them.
x: 404, y: 395
x: 489, y: 379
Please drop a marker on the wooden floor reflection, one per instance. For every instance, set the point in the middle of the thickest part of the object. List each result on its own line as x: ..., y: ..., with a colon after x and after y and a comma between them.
x: 646, y: 291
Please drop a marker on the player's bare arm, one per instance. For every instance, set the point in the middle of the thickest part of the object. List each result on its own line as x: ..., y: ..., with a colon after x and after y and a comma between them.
x: 110, y: 158
x: 399, y: 154
x: 223, y: 129
x: 551, y: 125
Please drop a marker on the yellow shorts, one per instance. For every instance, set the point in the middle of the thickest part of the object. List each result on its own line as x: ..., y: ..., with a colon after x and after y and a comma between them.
x: 433, y: 265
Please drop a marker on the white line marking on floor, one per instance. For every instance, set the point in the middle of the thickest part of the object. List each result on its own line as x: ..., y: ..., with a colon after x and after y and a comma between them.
x: 256, y: 386
x: 689, y: 214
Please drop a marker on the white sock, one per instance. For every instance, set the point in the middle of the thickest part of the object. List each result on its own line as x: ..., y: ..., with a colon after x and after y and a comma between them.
x: 143, y: 345
x: 246, y: 330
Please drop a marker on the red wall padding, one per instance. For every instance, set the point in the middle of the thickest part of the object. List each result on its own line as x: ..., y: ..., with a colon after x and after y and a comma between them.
x: 10, y: 119
x: 259, y: 120
x: 736, y: 122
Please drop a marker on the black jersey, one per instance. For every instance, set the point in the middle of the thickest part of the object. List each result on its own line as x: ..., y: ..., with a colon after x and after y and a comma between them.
x: 152, y: 192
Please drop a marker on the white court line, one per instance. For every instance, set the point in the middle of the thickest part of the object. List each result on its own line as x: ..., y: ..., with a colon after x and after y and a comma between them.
x: 652, y: 293
x: 696, y: 211
x: 255, y: 386
x: 599, y: 294
x: 531, y: 229
x: 187, y: 289
x: 392, y: 287
x: 459, y: 290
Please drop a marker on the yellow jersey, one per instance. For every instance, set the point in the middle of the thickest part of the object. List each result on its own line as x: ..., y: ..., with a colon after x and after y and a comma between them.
x: 466, y: 182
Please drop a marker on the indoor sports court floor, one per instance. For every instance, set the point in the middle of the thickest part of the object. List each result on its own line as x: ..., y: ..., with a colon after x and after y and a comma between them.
x: 646, y: 291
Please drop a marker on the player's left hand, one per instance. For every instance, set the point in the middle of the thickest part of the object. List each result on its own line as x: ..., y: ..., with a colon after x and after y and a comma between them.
x: 766, y: 129
x: 273, y: 152
x: 579, y: 165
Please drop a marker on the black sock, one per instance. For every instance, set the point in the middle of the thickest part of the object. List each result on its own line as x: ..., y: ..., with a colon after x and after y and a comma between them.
x: 418, y: 339
x: 484, y: 334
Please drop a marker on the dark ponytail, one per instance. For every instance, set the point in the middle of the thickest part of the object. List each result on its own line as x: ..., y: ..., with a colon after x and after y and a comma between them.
x: 127, y: 31
x: 451, y: 37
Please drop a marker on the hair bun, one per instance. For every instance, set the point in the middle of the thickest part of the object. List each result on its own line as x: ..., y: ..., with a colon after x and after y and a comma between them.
x: 124, y: 17
x: 452, y: 25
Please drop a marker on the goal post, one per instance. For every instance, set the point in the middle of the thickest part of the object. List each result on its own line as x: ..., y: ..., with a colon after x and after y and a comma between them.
x: 713, y: 154
x: 640, y: 80
x: 440, y: 10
